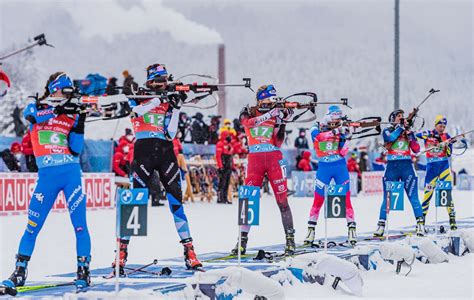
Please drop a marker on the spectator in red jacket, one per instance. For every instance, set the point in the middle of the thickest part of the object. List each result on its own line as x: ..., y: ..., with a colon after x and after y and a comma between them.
x: 15, y: 160
x: 27, y: 147
x: 129, y: 137
x: 129, y: 156
x: 177, y: 147
x: 224, y: 153
x: 121, y: 165
x: 353, y: 164
x: 238, y: 143
x: 380, y: 162
x: 305, y: 162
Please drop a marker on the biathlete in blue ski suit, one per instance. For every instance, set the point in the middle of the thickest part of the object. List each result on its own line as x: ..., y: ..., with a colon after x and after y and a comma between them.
x: 155, y: 123
x: 400, y: 142
x: 331, y: 144
x: 57, y: 135
x: 438, y: 150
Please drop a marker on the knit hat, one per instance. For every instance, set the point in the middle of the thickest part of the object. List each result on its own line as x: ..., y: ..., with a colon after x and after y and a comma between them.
x: 440, y: 119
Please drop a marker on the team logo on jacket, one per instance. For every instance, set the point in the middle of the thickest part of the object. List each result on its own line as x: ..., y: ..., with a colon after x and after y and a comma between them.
x: 48, y: 159
x: 39, y: 197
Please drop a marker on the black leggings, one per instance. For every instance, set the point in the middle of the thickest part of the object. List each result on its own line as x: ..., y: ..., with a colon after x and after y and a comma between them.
x: 156, y: 154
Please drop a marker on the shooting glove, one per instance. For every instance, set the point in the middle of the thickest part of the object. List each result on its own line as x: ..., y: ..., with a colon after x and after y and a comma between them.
x: 80, y: 123
x: 344, y: 130
x: 276, y: 112
x: 175, y: 100
x: 287, y: 113
x: 66, y: 110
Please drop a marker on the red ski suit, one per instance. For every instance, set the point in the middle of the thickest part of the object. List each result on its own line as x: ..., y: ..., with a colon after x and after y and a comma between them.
x: 264, y: 137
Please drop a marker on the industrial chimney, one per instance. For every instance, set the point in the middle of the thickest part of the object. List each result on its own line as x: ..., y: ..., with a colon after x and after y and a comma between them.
x: 221, y: 107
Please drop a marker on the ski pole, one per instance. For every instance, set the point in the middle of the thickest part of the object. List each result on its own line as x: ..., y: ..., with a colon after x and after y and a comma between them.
x: 164, y: 271
x: 154, y: 262
x: 22, y: 289
x: 325, y: 219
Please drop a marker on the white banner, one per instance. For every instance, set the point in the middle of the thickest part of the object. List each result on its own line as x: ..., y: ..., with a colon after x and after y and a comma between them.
x: 372, y: 182
x: 16, y: 190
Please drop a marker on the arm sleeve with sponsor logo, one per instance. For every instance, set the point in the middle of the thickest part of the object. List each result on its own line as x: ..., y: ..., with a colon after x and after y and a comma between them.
x: 141, y: 109
x: 35, y: 116
x: 171, y: 122
x: 391, y: 136
x: 247, y: 121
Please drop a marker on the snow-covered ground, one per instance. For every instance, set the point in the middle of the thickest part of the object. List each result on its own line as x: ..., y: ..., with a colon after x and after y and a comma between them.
x: 214, y: 229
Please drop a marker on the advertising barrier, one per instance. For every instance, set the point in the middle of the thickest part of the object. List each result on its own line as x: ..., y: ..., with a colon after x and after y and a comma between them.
x: 303, y: 183
x: 372, y: 182
x: 465, y: 182
x: 16, y: 190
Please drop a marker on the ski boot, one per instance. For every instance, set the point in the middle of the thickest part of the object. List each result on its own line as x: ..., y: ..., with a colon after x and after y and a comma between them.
x: 17, y: 278
x: 452, y: 222
x: 243, y: 245
x: 380, y: 229
x: 190, y: 259
x: 123, y: 254
x: 351, y: 234
x: 420, y: 226
x: 290, y: 242
x: 310, y: 235
x: 83, y: 277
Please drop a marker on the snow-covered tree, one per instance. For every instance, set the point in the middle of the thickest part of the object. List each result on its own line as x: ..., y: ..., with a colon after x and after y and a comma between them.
x: 24, y: 70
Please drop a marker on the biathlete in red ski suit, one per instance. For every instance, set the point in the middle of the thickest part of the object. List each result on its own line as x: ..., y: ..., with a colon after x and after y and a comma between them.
x: 265, y: 132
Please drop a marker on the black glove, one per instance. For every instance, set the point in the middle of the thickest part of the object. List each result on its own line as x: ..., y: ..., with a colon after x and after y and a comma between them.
x: 59, y: 110
x: 175, y: 101
x: 80, y: 123
x: 66, y: 110
x: 183, y: 96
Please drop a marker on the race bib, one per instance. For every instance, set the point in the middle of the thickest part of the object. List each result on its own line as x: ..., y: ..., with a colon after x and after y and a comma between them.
x: 400, y: 145
x: 261, y: 131
x: 328, y: 146
x: 48, y: 137
x: 157, y: 120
